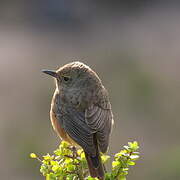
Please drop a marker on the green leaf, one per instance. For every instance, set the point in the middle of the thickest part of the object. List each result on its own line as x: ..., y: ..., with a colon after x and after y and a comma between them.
x: 122, y: 178
x: 71, y: 167
x: 50, y: 176
x: 105, y: 158
x: 68, y: 160
x: 58, y: 152
x: 82, y: 155
x: 54, y: 163
x: 55, y: 168
x: 33, y: 155
x: 134, y: 157
x: 72, y: 177
x: 48, y: 157
x: 64, y: 144
x: 108, y: 176
x: 44, y: 170
x: 91, y: 178
x: 133, y: 145
x: 131, y: 163
x: 115, y: 164
x: 121, y: 153
x: 79, y: 151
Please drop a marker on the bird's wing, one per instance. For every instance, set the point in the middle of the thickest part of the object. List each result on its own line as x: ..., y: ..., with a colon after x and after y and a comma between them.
x: 76, y: 127
x: 99, y: 117
x: 82, y: 125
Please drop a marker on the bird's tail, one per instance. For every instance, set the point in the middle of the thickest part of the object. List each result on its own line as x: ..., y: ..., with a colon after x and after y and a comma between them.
x: 96, y: 168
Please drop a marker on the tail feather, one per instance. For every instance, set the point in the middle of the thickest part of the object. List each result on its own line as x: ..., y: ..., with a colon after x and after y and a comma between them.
x: 95, y: 166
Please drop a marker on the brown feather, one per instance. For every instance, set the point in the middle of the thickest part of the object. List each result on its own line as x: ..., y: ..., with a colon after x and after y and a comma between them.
x: 95, y: 166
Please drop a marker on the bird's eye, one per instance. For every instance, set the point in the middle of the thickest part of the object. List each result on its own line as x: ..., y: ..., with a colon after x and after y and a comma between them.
x: 66, y: 78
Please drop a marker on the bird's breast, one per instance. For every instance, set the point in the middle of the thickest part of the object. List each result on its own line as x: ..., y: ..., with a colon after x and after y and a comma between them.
x: 56, y: 114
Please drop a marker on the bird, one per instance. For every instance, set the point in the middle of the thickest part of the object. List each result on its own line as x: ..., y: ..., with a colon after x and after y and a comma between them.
x: 81, y: 112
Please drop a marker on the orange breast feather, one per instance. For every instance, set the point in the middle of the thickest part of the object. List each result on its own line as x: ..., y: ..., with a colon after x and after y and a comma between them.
x: 57, y: 127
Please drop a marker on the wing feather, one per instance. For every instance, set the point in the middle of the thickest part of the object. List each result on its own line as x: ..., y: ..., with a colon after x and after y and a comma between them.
x: 100, y: 120
x: 76, y: 127
x: 82, y: 125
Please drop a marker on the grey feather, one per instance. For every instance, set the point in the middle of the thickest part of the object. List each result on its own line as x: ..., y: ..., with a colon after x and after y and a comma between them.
x: 75, y: 125
x: 101, y: 121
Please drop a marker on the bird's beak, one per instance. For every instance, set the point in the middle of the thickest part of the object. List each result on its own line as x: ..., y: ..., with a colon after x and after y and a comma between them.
x: 50, y: 72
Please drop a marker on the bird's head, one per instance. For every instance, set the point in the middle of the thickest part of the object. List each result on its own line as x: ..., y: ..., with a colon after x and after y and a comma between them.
x: 75, y: 74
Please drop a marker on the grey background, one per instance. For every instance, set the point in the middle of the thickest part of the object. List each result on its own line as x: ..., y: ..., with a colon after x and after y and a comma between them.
x: 134, y: 46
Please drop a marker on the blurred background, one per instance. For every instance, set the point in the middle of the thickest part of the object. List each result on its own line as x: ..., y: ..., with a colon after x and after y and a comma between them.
x: 135, y: 48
